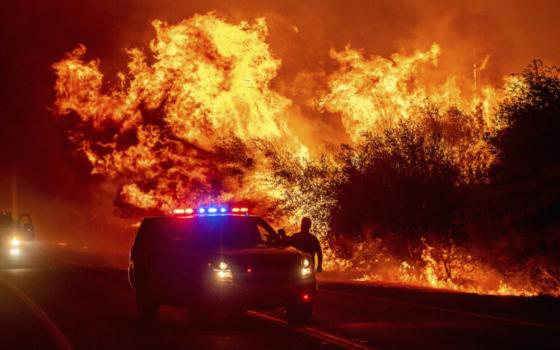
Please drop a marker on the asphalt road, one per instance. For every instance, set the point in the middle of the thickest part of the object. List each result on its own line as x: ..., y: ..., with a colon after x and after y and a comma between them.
x: 57, y: 302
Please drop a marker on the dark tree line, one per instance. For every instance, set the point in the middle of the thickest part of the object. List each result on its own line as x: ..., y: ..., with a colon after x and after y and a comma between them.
x: 399, y: 181
x: 405, y: 184
x: 522, y: 201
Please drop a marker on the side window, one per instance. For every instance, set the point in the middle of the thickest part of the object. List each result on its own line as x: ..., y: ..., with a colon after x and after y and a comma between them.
x: 140, y: 236
x: 168, y: 233
x: 152, y: 233
x: 140, y: 240
x: 263, y: 233
x: 266, y: 232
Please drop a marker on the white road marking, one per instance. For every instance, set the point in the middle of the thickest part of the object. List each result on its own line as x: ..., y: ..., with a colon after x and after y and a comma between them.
x: 443, y: 309
x: 313, y: 332
x: 56, y: 335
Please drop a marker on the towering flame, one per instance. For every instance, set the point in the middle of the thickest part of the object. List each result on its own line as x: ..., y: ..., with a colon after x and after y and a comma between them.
x: 208, y: 83
x: 374, y: 93
x: 209, y: 78
x: 371, y: 92
x: 195, y: 118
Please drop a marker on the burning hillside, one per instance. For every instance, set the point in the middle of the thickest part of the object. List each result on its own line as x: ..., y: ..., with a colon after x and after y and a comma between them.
x: 196, y: 118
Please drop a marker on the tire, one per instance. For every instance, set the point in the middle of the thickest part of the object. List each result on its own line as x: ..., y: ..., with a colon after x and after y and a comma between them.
x: 148, y: 307
x: 147, y: 304
x: 299, y: 313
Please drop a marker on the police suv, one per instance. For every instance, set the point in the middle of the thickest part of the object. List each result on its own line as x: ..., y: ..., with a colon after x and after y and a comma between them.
x: 218, y: 261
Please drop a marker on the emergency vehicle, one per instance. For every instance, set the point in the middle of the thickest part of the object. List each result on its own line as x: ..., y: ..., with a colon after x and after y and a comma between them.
x: 218, y: 261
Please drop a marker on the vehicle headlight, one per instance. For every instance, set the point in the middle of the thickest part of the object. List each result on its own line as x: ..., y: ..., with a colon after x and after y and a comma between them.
x: 223, y: 272
x: 306, y: 270
x: 15, y: 242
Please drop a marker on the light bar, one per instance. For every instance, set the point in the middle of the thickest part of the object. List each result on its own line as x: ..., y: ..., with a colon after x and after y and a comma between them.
x: 210, y: 210
x: 183, y: 211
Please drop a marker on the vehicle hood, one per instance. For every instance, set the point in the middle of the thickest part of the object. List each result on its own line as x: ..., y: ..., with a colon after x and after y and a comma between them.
x: 264, y: 256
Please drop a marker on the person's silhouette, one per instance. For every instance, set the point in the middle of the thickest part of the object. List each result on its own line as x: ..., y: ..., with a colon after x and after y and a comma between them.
x: 308, y: 243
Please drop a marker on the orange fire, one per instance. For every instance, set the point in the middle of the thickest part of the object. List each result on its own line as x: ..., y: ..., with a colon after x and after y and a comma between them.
x: 198, y: 109
x: 209, y: 82
x: 441, y: 267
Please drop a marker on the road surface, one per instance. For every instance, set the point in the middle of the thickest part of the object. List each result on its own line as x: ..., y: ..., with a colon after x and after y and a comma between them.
x: 57, y: 302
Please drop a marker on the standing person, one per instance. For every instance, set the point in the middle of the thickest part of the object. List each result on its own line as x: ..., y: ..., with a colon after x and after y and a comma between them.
x: 308, y: 243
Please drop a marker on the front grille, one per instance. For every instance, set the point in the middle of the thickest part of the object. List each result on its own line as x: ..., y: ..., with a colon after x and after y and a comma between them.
x: 268, y: 274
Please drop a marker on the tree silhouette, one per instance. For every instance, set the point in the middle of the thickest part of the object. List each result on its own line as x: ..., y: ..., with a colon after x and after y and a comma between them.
x: 526, y: 179
x: 399, y: 181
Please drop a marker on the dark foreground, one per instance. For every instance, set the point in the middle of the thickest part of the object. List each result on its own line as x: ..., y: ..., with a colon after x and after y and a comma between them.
x: 59, y: 301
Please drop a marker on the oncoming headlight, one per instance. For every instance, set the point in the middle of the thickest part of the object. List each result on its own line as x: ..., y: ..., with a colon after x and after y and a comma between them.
x: 223, y: 272
x: 306, y: 270
x: 15, y: 242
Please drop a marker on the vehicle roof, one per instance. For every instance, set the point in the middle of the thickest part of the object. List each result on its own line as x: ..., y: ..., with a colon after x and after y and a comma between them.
x: 190, y: 216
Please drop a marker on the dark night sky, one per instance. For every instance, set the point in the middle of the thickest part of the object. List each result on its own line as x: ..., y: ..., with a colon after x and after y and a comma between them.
x: 54, y: 181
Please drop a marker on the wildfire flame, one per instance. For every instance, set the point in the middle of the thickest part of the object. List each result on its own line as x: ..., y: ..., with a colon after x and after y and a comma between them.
x: 195, y: 117
x: 371, y: 92
x: 209, y: 82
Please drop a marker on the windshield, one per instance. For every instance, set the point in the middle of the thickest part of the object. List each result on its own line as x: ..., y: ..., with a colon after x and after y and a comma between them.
x: 216, y: 231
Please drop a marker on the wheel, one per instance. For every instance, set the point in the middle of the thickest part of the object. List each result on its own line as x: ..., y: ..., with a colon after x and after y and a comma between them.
x: 148, y: 307
x: 299, y: 313
x: 147, y: 304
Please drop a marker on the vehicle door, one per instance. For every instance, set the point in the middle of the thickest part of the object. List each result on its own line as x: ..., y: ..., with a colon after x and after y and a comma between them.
x: 176, y: 266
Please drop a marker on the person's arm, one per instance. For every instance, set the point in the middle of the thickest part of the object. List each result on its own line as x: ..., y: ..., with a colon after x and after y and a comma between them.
x: 319, y: 256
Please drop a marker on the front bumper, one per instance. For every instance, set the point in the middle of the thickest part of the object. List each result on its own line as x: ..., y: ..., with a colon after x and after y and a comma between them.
x: 261, y: 296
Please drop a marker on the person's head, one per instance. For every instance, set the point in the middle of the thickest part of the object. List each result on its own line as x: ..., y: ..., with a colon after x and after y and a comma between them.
x: 305, y: 225
x: 282, y: 233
